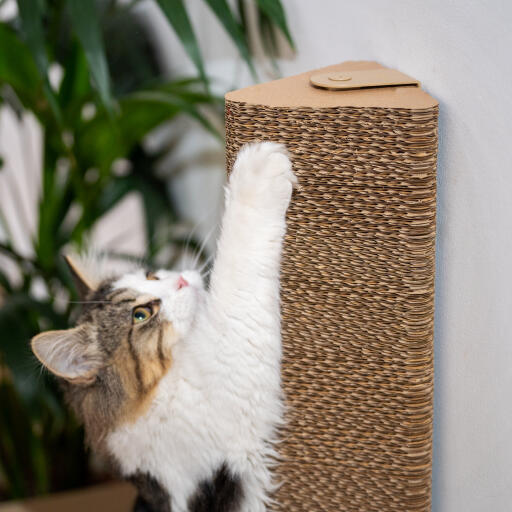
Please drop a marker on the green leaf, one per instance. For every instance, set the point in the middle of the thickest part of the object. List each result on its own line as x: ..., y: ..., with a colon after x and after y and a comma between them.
x: 53, y: 206
x: 31, y: 15
x: 99, y: 142
x: 225, y: 16
x: 268, y: 38
x: 75, y: 86
x: 112, y: 193
x: 18, y: 68
x: 156, y: 205
x: 176, y: 13
x: 4, y: 282
x: 186, y: 90
x: 158, y: 209
x: 156, y: 98
x: 274, y: 10
x: 15, y: 433
x: 15, y: 322
x: 152, y: 192
x: 240, y: 4
x: 85, y: 21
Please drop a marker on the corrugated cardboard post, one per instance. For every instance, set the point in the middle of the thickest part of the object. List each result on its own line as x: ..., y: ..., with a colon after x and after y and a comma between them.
x: 358, y: 284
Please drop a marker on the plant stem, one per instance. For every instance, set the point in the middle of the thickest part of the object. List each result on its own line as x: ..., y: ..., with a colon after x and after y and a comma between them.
x: 9, y: 251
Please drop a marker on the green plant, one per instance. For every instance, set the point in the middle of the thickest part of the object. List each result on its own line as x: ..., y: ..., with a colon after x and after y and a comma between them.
x: 41, y: 445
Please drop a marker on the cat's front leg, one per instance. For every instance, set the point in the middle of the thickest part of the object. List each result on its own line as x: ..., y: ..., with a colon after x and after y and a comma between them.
x: 245, y: 278
x: 244, y: 316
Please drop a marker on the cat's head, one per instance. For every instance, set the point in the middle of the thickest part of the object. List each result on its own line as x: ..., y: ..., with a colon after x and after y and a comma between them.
x: 122, y: 345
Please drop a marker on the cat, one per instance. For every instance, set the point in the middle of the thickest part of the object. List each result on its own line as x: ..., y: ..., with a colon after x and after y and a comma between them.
x: 180, y: 384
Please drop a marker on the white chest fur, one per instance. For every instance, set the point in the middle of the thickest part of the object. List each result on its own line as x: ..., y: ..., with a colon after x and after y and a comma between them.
x: 215, y: 406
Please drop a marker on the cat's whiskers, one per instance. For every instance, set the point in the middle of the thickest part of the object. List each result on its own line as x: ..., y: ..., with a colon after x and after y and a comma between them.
x: 194, y: 229
x: 189, y: 238
x: 199, y: 223
x: 202, y: 246
x: 90, y: 302
x: 205, y: 265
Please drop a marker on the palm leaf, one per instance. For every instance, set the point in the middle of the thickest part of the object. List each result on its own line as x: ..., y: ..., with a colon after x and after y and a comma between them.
x: 274, y: 10
x: 31, y: 15
x: 100, y: 141
x: 85, y: 22
x: 156, y: 99
x: 224, y: 14
x: 18, y: 68
x: 177, y: 15
x: 75, y: 86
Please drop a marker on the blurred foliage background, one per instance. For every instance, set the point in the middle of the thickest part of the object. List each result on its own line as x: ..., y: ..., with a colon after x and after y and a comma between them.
x: 111, y: 94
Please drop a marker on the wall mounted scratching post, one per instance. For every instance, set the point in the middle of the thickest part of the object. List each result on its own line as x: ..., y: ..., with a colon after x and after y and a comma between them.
x: 357, y: 283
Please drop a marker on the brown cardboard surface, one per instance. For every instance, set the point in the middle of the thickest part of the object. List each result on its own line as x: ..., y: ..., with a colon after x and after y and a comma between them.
x: 362, y: 79
x: 113, y: 497
x: 296, y: 91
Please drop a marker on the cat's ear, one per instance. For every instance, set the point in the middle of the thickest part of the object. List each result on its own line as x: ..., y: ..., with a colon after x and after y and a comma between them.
x: 72, y: 354
x: 84, y: 284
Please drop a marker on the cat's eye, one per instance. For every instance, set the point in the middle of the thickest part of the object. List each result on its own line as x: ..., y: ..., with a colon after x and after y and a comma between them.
x: 141, y: 314
x: 151, y: 276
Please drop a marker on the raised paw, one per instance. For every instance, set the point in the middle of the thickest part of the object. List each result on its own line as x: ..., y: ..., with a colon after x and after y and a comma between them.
x: 262, y: 176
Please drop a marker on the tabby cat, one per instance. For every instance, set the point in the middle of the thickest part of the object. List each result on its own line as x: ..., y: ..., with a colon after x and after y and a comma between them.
x: 178, y: 384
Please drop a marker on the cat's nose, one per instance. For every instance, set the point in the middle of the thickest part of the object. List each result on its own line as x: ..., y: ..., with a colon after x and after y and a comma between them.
x: 182, y: 282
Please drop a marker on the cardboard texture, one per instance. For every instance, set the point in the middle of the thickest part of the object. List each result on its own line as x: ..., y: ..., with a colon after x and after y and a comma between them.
x: 296, y: 91
x: 361, y: 79
x: 116, y: 497
x: 357, y: 288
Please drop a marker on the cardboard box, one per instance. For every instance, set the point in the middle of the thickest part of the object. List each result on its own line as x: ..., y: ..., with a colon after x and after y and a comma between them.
x: 111, y: 497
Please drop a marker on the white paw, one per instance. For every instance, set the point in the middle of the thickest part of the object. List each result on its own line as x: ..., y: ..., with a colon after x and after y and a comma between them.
x: 262, y: 176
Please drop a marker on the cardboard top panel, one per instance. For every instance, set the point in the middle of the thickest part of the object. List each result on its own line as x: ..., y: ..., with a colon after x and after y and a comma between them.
x: 297, y: 91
